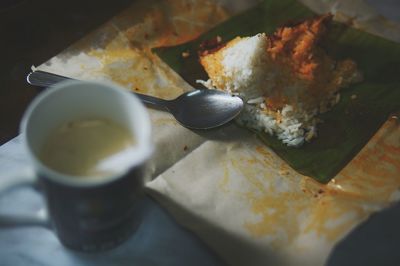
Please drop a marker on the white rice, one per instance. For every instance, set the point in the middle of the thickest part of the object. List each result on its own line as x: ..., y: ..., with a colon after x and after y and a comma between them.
x: 293, y: 129
x: 247, y: 73
x: 246, y: 60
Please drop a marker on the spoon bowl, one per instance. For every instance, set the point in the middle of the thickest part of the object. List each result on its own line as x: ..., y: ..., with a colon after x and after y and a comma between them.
x: 198, y: 109
x: 204, y: 109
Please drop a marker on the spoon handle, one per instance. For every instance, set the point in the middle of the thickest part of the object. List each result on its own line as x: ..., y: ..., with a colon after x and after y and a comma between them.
x: 154, y: 101
x: 45, y: 79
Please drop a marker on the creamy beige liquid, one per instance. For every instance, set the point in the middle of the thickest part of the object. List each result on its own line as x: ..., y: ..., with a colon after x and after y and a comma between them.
x: 78, y: 147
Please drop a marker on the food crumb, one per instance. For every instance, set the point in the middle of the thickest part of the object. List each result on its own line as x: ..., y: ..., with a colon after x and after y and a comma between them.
x: 320, y: 191
x: 137, y: 89
x: 185, y: 148
x: 353, y: 97
x: 185, y: 54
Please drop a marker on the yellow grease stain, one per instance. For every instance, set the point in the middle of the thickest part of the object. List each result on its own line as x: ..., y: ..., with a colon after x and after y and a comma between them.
x: 276, y: 215
x: 332, y: 210
x: 374, y: 174
x: 275, y: 210
x: 126, y: 56
x: 170, y: 22
x: 223, y: 184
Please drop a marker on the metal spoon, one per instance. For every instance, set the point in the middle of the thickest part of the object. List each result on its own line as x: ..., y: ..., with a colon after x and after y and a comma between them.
x: 198, y: 109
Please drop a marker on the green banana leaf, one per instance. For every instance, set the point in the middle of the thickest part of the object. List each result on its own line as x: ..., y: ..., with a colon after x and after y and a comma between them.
x: 352, y: 122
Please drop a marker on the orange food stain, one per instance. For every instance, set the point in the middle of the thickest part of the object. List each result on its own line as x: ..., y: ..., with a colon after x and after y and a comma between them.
x: 264, y: 151
x: 250, y: 174
x: 223, y: 184
x: 278, y: 212
x: 305, y: 206
x: 374, y: 172
x: 390, y: 159
x: 391, y: 149
x: 126, y: 54
x: 330, y: 209
x: 170, y: 22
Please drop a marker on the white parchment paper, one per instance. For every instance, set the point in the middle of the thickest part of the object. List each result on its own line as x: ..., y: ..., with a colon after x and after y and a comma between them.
x: 225, y: 185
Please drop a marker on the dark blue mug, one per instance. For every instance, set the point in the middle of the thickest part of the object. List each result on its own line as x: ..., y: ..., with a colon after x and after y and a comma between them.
x: 87, y: 214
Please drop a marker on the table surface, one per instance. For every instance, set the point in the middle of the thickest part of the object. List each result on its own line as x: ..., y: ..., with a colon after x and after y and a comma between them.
x: 35, y: 30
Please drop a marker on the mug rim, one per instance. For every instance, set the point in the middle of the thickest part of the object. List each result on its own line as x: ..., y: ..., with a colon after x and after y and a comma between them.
x: 144, y: 147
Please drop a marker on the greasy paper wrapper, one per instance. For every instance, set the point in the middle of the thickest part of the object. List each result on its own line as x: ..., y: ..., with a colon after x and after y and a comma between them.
x: 224, y: 184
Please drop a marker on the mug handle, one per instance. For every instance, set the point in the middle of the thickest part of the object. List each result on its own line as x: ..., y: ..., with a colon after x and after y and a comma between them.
x: 23, y: 178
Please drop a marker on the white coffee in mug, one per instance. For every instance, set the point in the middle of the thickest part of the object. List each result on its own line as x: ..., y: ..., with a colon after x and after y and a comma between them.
x: 80, y: 147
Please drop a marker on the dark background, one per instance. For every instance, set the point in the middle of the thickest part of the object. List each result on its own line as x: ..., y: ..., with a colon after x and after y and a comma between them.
x: 33, y: 31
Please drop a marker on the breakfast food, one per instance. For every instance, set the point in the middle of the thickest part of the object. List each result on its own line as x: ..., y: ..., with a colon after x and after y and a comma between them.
x: 285, y: 78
